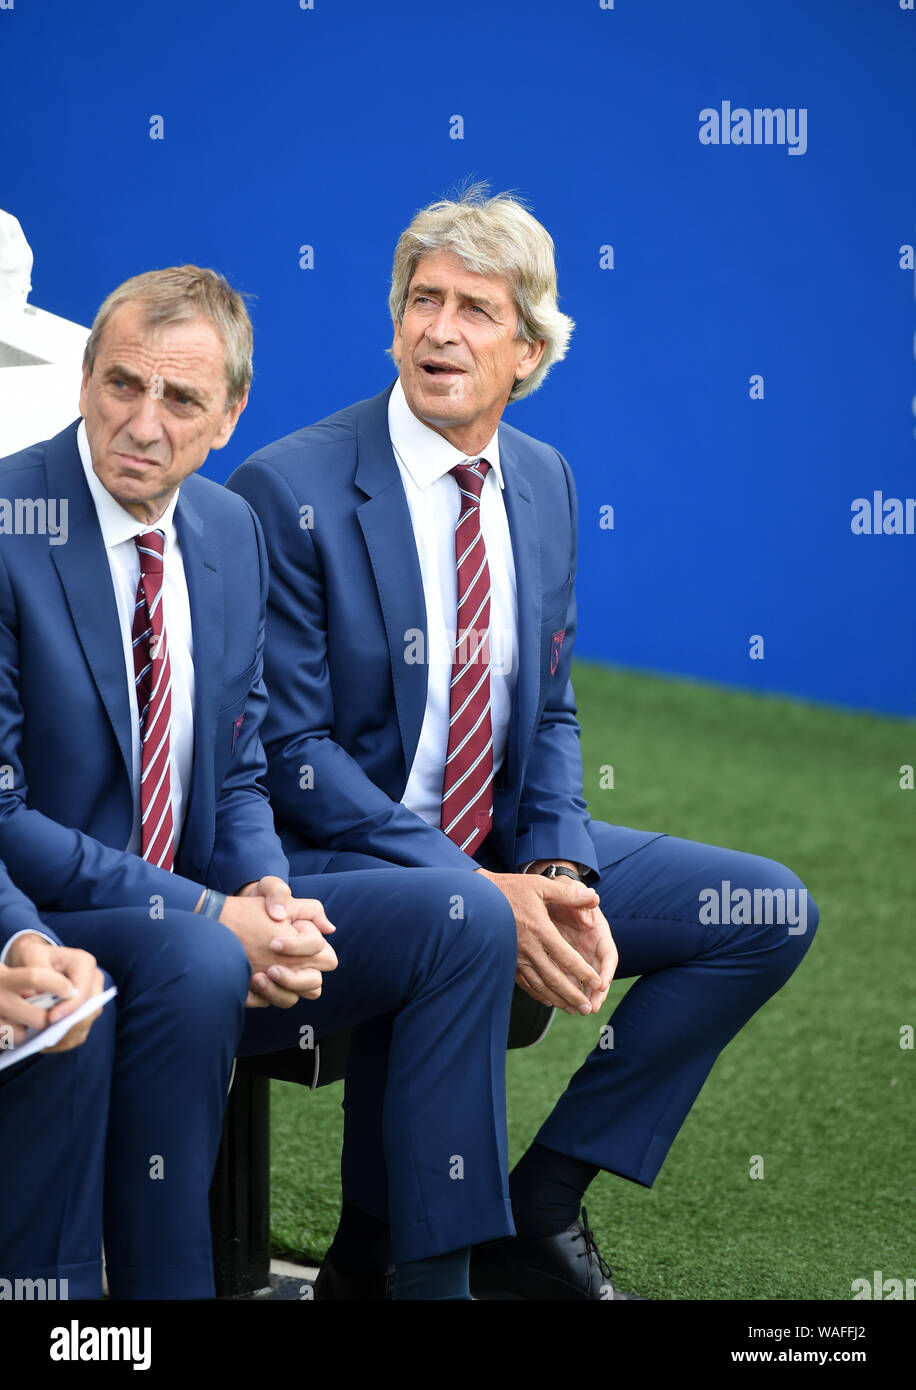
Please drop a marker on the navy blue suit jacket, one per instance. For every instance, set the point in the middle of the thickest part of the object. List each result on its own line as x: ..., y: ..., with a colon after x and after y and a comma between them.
x: 65, y: 737
x: 16, y: 912
x: 345, y: 593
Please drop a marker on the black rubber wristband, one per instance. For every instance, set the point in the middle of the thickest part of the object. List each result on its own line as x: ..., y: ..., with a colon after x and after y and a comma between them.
x: 561, y: 871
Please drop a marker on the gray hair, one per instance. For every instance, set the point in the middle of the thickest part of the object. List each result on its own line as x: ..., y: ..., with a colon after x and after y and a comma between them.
x: 492, y: 236
x: 180, y: 293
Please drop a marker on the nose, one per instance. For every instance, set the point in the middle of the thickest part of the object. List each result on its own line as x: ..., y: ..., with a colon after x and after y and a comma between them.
x: 145, y: 423
x: 444, y: 327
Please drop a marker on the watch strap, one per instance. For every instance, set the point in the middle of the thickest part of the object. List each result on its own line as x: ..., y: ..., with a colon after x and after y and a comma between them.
x: 561, y: 871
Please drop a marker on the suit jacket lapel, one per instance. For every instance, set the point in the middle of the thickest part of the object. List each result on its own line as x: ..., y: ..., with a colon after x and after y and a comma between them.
x: 388, y: 533
x: 82, y: 565
x: 203, y: 575
x: 526, y: 552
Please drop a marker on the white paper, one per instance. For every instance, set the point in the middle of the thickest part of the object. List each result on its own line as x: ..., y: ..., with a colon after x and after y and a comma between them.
x: 47, y: 1037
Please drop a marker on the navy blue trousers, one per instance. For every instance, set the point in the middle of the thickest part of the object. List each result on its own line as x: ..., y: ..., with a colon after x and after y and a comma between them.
x: 699, y: 981
x: 122, y: 1133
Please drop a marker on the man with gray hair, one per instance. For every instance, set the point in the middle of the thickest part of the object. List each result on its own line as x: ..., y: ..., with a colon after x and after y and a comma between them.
x: 421, y: 621
x: 133, y: 815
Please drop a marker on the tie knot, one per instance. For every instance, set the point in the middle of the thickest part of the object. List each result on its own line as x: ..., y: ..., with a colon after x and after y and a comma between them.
x: 150, y: 546
x: 470, y: 477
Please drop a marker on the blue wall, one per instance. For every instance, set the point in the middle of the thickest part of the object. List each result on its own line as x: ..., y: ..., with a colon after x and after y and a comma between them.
x: 285, y: 126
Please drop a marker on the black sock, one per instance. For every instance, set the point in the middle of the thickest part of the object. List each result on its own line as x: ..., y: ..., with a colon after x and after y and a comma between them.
x: 440, y: 1277
x: 361, y: 1243
x: 547, y: 1188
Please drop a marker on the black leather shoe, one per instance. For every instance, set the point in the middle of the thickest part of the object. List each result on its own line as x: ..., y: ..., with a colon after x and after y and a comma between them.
x: 331, y: 1283
x: 568, y: 1265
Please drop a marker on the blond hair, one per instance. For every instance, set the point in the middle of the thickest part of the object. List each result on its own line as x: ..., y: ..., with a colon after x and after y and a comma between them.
x: 492, y: 236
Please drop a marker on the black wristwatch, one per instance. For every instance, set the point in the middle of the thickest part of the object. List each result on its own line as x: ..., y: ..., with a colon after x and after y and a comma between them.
x: 558, y: 870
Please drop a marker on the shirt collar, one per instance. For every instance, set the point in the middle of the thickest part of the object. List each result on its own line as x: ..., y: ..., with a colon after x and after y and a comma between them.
x: 116, y: 524
x: 426, y: 454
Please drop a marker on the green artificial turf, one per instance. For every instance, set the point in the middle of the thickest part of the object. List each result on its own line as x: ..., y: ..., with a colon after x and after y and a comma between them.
x: 817, y: 1083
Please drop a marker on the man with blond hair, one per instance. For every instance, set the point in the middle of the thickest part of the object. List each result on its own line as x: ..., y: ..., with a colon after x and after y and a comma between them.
x: 133, y: 815
x: 419, y: 638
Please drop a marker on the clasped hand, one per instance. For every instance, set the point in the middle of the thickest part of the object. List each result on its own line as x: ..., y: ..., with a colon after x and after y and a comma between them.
x: 284, y: 940
x: 566, y: 954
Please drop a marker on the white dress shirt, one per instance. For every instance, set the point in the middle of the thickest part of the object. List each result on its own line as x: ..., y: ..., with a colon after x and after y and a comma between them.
x: 118, y: 529
x: 424, y: 459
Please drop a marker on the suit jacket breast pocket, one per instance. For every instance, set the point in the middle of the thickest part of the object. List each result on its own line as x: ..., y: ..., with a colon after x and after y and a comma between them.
x: 236, y: 689
x: 231, y: 713
x: 553, y: 627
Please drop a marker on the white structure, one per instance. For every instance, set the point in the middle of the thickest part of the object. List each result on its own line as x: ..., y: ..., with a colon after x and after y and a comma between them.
x: 40, y: 353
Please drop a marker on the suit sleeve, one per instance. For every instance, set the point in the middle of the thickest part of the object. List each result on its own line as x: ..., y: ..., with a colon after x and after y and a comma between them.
x: 57, y: 867
x: 553, y: 817
x: 17, y: 914
x: 316, y: 787
x: 246, y: 845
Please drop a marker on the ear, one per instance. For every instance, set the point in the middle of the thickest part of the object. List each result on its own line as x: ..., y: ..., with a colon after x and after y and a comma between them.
x: 396, y: 344
x: 84, y: 391
x: 230, y: 420
x: 529, y: 358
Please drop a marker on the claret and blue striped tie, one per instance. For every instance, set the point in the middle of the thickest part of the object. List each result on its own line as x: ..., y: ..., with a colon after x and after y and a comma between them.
x: 153, y: 677
x: 467, y: 787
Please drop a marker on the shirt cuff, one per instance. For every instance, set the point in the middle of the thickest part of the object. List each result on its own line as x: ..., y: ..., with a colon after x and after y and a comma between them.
x: 26, y: 931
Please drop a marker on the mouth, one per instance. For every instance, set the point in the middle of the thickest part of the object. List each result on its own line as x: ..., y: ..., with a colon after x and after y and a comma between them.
x: 138, y: 461
x: 441, y: 369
